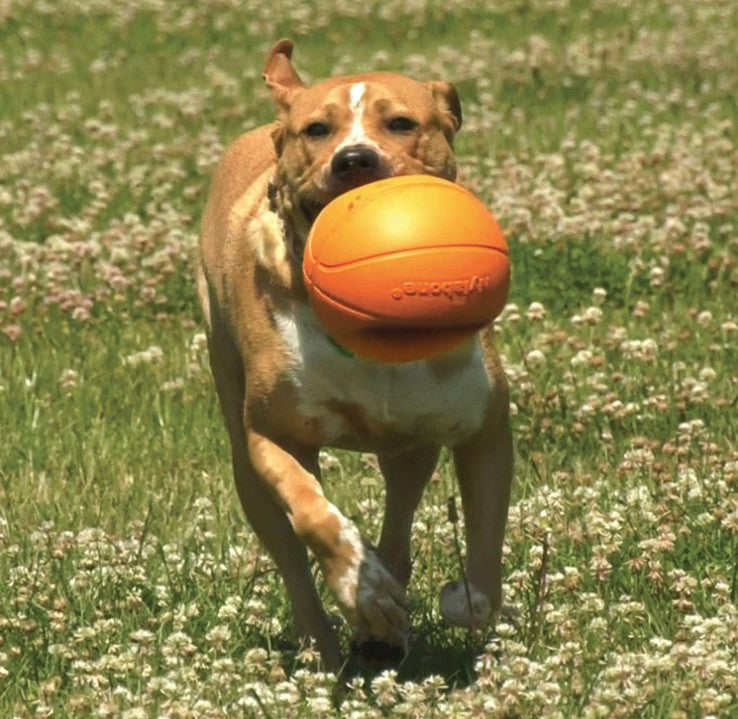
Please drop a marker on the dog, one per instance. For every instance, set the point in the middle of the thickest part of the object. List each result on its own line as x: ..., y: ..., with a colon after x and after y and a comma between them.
x: 286, y: 391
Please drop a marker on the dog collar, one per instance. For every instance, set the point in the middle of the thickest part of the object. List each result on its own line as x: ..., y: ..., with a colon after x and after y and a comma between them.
x: 340, y: 348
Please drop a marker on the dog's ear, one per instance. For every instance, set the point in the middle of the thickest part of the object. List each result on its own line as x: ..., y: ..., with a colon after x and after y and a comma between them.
x: 448, y: 102
x: 279, y: 74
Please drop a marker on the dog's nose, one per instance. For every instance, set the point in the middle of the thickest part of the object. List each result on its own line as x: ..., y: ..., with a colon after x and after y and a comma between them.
x: 355, y: 158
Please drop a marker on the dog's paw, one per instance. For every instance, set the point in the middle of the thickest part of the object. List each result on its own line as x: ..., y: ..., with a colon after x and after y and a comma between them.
x: 381, y: 604
x: 371, y: 599
x: 463, y: 605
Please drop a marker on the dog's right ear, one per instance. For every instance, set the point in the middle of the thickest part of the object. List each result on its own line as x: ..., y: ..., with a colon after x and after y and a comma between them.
x: 279, y: 74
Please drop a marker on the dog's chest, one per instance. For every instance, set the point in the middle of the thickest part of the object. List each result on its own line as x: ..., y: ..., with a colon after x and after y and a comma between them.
x: 360, y: 404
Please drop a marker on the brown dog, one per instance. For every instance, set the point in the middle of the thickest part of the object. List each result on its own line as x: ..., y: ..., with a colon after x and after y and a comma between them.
x: 286, y: 391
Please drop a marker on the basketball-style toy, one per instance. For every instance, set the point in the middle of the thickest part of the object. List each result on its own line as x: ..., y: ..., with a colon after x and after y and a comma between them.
x: 405, y: 268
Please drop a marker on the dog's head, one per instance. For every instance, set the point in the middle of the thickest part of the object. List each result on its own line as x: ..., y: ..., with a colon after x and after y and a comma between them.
x: 347, y: 131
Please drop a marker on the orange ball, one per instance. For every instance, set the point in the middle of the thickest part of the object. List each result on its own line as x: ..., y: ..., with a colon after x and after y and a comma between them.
x: 405, y: 268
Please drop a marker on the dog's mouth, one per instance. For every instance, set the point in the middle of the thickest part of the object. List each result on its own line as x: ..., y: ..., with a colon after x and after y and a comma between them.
x: 312, y: 206
x: 311, y: 209
x: 347, y: 168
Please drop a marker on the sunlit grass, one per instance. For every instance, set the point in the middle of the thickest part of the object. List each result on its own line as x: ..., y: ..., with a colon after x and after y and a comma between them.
x: 602, y: 134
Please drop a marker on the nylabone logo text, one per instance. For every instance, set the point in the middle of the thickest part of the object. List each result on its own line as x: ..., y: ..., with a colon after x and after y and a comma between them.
x: 452, y: 289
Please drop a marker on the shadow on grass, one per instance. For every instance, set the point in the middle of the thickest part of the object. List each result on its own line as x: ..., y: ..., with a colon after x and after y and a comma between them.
x: 434, y: 651
x: 431, y: 653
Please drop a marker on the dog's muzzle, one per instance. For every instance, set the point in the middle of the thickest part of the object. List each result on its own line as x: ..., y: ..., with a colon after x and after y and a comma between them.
x: 356, y: 165
x: 350, y: 167
x: 355, y: 159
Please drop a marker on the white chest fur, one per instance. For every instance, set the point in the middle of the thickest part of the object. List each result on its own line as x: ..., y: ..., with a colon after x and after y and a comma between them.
x: 442, y: 401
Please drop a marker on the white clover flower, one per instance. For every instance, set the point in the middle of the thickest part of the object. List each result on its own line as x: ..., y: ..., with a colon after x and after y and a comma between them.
x: 231, y: 608
x: 320, y: 705
x: 151, y: 355
x: 203, y: 507
x: 198, y: 343
x: 257, y: 656
x: 730, y: 521
x: 82, y: 313
x: 13, y: 332
x: 510, y: 313
x: 535, y: 358
x: 142, y: 636
x: 645, y: 350
x: 173, y: 385
x: 592, y: 315
x: 642, y: 308
x: 135, y: 713
x: 17, y: 306
x: 656, y: 276
x: 535, y: 311
x: 704, y: 318
x: 179, y: 644
x: 274, y: 626
x: 69, y: 378
x: 581, y: 358
x: 219, y: 635
x: 250, y: 704
x: 506, y: 630
x: 328, y: 460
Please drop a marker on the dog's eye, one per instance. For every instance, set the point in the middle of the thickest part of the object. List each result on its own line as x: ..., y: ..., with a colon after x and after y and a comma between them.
x: 401, y: 124
x: 317, y: 130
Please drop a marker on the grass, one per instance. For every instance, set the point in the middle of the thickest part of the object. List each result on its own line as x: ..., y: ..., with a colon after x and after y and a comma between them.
x: 604, y: 137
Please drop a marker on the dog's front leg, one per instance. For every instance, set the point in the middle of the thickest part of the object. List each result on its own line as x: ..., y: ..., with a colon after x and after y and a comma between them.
x: 406, y: 474
x: 484, y: 471
x: 368, y: 595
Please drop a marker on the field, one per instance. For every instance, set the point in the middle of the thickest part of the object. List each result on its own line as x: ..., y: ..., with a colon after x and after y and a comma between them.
x: 604, y: 136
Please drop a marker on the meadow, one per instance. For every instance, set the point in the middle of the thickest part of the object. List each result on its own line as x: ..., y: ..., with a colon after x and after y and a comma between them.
x: 603, y: 134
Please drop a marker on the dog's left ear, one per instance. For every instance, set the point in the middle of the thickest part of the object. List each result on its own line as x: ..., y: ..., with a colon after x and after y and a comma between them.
x: 279, y: 74
x: 448, y: 102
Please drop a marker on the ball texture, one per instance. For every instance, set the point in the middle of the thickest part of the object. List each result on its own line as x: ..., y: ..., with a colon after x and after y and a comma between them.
x: 405, y: 268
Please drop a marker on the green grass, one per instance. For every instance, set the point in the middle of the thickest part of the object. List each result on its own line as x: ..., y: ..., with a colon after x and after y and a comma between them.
x: 603, y: 135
